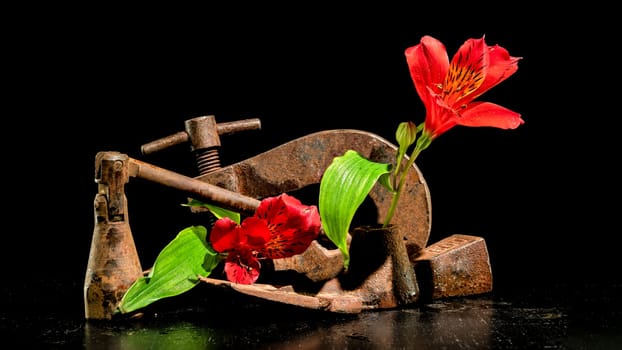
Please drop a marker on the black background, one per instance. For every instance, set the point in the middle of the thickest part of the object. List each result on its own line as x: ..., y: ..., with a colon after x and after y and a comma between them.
x: 111, y: 80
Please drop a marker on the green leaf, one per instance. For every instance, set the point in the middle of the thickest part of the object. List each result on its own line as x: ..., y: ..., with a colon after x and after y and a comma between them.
x: 218, y: 212
x: 344, y: 186
x: 175, y: 270
x: 385, y: 180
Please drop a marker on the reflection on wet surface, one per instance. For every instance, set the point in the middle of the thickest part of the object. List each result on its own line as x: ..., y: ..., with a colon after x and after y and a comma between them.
x: 481, y: 322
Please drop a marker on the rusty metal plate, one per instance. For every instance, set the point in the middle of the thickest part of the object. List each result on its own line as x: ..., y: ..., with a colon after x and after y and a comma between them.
x: 301, y: 163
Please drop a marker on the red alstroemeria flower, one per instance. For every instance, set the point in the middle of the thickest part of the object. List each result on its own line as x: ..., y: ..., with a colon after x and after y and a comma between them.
x: 293, y: 226
x: 448, y: 89
x: 281, y: 227
x: 242, y: 267
x: 240, y: 244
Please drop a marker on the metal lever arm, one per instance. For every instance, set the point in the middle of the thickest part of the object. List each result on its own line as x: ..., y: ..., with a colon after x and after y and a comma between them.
x: 203, y: 132
x: 196, y: 188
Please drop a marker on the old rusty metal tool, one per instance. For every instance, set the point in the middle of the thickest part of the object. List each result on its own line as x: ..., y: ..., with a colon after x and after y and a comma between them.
x: 292, y: 166
x: 113, y: 260
x: 203, y: 133
x: 113, y: 263
x: 455, y: 266
x: 300, y: 163
x: 452, y: 267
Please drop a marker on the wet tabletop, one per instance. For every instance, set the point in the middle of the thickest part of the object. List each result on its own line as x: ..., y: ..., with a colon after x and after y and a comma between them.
x: 556, y: 317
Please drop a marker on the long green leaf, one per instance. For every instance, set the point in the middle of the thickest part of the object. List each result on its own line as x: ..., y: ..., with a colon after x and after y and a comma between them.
x: 175, y: 270
x: 344, y: 186
x: 218, y: 212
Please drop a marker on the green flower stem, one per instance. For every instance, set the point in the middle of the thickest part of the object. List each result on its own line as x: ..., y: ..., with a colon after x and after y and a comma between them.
x: 398, y: 190
x: 422, y: 143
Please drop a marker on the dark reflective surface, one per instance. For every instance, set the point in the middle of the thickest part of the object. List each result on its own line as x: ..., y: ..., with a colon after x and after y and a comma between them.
x: 561, y: 317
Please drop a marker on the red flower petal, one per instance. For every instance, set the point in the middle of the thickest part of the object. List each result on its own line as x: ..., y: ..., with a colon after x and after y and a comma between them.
x: 281, y: 227
x: 467, y: 71
x: 490, y: 114
x: 224, y: 235
x: 254, y: 233
x: 293, y: 226
x: 448, y: 89
x: 242, y: 268
x: 428, y: 63
x: 501, y: 66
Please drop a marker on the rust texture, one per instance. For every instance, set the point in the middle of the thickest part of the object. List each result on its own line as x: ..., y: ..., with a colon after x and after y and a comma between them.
x: 317, y: 263
x: 458, y: 265
x: 113, y: 263
x: 381, y: 274
x: 387, y: 269
x: 201, y: 132
x: 301, y: 163
x: 196, y: 188
x: 455, y: 266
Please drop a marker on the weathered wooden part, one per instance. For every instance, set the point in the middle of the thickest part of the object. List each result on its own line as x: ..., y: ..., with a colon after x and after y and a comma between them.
x: 455, y: 266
